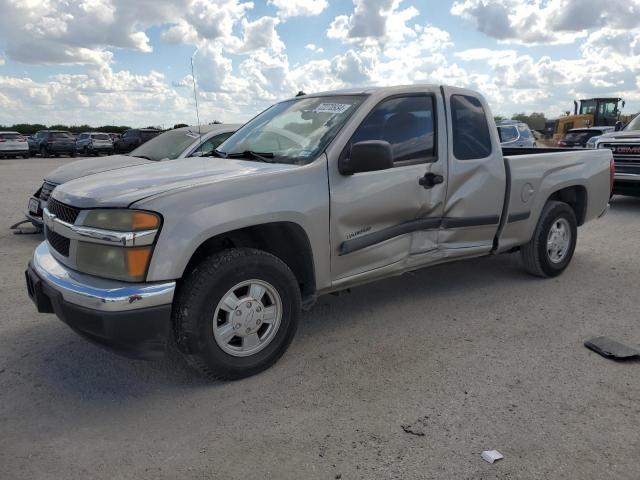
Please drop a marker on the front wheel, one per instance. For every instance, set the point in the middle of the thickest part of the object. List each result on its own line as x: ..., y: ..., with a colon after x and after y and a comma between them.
x: 551, y: 248
x: 236, y: 313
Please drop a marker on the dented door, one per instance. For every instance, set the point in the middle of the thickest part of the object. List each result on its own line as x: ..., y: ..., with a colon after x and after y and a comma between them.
x: 380, y: 218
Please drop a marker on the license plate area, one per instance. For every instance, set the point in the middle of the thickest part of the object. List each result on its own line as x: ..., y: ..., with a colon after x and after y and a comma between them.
x: 34, y: 205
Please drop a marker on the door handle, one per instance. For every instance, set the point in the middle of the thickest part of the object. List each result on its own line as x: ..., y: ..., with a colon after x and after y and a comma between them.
x: 430, y: 180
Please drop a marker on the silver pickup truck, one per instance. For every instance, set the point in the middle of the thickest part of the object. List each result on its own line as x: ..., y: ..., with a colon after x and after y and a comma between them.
x: 315, y: 195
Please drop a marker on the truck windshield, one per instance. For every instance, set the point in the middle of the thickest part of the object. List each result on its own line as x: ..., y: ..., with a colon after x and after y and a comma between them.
x: 294, y: 131
x: 633, y: 125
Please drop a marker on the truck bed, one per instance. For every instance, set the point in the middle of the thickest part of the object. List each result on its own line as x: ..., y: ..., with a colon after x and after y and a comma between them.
x: 534, y: 175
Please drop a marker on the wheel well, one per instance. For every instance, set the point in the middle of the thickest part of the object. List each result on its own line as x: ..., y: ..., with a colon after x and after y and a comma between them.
x: 286, y: 240
x: 576, y: 198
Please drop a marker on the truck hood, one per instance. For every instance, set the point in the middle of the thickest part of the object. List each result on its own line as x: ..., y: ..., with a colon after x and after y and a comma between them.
x: 122, y: 187
x: 90, y: 166
x: 620, y: 135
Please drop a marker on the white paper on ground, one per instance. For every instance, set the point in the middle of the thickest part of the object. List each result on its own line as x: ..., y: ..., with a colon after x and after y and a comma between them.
x: 491, y: 455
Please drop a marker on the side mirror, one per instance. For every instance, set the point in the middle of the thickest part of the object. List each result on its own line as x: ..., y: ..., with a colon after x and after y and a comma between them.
x: 618, y: 126
x: 367, y: 156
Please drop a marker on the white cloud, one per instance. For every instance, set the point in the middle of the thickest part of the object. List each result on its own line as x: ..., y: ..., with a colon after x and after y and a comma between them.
x: 314, y: 48
x: 546, y: 22
x: 302, y: 8
x: 374, y: 21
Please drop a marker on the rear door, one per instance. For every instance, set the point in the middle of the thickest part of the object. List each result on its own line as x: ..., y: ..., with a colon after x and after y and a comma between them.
x: 380, y: 218
x: 476, y: 177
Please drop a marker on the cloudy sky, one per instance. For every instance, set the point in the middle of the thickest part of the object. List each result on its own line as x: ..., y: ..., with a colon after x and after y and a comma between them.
x: 128, y: 61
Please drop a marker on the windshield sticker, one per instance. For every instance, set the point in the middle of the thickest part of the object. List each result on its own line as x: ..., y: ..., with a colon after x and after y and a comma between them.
x: 332, y: 108
x: 191, y: 134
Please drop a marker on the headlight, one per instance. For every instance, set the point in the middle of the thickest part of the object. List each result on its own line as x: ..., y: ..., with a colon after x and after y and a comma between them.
x: 122, y: 220
x: 591, y: 143
x: 120, y: 260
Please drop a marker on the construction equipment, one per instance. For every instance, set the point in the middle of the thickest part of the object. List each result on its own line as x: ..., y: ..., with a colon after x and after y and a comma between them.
x: 593, y: 112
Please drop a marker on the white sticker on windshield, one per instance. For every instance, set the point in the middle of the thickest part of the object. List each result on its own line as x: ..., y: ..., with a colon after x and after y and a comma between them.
x: 332, y: 108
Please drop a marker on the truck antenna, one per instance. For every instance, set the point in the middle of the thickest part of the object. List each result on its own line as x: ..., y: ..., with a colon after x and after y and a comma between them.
x: 195, y: 97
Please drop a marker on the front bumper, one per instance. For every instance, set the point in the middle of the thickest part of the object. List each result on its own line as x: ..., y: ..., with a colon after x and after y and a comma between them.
x: 133, y: 319
x: 627, y: 184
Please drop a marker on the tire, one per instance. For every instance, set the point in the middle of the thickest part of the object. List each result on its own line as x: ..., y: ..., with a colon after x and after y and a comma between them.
x: 198, y: 311
x: 85, y: 152
x: 538, y: 259
x: 26, y: 156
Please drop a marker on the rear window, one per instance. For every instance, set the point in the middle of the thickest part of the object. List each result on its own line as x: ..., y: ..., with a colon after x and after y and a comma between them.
x: 147, y: 135
x: 60, y: 135
x: 508, y: 134
x: 524, y: 131
x: 578, y: 136
x: 101, y: 136
x: 471, y: 138
x: 10, y: 136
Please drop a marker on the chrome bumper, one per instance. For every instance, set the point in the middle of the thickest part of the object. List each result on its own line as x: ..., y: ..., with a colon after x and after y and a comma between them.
x: 98, y: 293
x: 627, y: 177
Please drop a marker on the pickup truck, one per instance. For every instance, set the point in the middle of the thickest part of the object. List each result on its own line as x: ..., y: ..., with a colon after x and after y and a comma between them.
x: 625, y: 145
x: 316, y: 194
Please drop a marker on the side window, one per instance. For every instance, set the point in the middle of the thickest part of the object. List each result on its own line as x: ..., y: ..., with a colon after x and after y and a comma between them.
x: 471, y: 139
x: 407, y: 123
x: 214, y: 142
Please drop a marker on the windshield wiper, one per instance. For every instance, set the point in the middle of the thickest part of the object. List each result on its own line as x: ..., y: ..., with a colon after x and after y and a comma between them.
x: 266, y: 157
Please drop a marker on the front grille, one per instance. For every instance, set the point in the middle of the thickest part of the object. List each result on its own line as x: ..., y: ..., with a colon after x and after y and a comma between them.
x: 624, y: 153
x: 64, y: 212
x: 59, y: 243
x: 46, y: 190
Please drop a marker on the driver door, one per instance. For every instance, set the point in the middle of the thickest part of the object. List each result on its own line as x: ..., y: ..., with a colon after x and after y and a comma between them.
x: 380, y: 218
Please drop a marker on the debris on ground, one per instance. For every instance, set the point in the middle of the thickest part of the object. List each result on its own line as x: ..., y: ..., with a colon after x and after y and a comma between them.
x: 18, y: 228
x: 609, y: 348
x: 491, y: 456
x: 418, y: 428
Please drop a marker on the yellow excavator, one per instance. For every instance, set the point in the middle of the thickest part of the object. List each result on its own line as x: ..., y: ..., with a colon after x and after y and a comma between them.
x: 592, y: 112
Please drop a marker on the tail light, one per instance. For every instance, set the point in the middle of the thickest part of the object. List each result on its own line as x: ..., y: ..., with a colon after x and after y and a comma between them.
x: 22, y: 139
x: 562, y: 143
x: 612, y: 174
x: 2, y: 140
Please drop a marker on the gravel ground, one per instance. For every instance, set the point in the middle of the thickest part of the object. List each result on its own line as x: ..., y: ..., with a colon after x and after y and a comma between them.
x: 475, y: 355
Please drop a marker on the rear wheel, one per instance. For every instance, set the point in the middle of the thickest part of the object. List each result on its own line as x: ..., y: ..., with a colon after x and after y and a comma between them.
x: 551, y: 248
x: 236, y: 313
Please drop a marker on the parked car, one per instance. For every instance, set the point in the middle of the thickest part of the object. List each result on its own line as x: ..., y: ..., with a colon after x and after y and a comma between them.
x: 580, y: 137
x: 13, y: 144
x: 515, y: 134
x: 315, y: 195
x: 172, y: 144
x: 53, y: 142
x: 625, y: 145
x: 133, y: 138
x: 94, y: 143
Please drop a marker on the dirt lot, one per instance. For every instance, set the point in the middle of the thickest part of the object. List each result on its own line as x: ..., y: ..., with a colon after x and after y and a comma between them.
x: 477, y: 354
